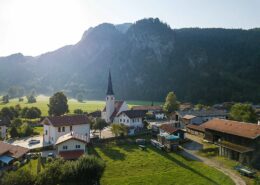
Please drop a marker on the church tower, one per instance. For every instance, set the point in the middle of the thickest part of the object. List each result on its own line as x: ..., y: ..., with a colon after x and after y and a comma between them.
x: 110, y: 99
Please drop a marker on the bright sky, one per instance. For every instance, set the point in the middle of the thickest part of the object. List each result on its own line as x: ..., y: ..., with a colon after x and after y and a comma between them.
x: 33, y: 27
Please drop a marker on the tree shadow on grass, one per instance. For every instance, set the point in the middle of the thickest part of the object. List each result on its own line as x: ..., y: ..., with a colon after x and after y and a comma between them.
x: 112, y: 153
x: 181, y: 164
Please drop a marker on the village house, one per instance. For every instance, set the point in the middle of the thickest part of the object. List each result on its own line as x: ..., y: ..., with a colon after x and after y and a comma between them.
x: 172, y: 129
x: 3, y: 128
x: 170, y: 136
x: 71, y: 146
x: 237, y: 140
x: 197, y: 117
x: 197, y: 130
x: 131, y: 118
x: 155, y: 111
x: 55, y: 127
x: 11, y: 153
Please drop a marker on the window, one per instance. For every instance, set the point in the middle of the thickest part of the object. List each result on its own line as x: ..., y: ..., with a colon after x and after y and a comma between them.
x: 46, y: 132
x: 59, y: 129
x: 127, y: 120
x: 65, y: 147
x: 120, y: 120
x: 107, y: 98
x: 70, y: 128
x: 123, y: 120
x: 77, y: 146
x: 63, y: 129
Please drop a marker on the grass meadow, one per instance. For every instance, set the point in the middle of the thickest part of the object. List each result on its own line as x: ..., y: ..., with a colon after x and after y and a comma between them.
x: 127, y: 164
x: 87, y: 105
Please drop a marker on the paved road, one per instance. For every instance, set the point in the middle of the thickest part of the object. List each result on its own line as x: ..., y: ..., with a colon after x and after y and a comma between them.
x: 190, y: 151
x: 24, y: 142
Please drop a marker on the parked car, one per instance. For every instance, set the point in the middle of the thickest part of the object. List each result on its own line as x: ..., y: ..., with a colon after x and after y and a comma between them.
x: 243, y: 170
x: 51, y: 154
x: 34, y: 141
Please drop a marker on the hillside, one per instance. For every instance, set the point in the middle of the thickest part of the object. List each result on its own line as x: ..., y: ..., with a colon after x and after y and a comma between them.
x: 147, y: 59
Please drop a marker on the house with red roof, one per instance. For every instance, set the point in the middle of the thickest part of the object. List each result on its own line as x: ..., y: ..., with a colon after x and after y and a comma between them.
x: 71, y: 146
x: 58, y: 126
x: 236, y: 140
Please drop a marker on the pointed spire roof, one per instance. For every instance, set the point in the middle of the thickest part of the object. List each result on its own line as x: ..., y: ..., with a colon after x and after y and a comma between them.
x: 110, y: 87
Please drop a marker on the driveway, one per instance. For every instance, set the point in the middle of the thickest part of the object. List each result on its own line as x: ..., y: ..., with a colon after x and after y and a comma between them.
x: 190, y: 150
x: 24, y: 142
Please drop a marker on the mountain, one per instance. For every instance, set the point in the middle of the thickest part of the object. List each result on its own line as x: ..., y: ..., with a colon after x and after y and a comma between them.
x: 147, y: 59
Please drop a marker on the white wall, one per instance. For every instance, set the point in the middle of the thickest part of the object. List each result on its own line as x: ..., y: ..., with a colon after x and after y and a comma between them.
x: 3, y: 130
x: 124, y: 119
x: 53, y: 132
x: 159, y: 115
x: 71, y: 145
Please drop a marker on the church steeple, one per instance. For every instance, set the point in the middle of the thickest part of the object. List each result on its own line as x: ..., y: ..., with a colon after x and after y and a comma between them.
x: 110, y: 87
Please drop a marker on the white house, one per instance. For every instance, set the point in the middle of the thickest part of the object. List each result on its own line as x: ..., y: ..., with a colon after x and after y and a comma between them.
x: 55, y: 127
x: 3, y: 128
x: 155, y: 110
x: 113, y: 107
x: 71, y: 145
x: 131, y: 118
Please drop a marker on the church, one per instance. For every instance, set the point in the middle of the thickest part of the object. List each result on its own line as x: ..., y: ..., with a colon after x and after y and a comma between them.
x: 118, y: 112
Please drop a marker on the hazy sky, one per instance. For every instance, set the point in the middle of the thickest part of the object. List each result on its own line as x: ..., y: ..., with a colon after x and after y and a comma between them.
x: 33, y: 27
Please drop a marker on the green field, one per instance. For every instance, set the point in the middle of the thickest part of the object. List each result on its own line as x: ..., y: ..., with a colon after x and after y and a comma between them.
x: 88, y: 105
x: 127, y: 164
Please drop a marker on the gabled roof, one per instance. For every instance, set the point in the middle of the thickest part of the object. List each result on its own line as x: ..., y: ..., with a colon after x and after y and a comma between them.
x: 169, y: 128
x: 12, y: 150
x: 118, y: 105
x: 189, y: 117
x: 203, y: 113
x: 66, y: 120
x: 199, y: 128
x: 247, y: 130
x: 134, y: 113
x: 71, y: 136
x: 147, y: 108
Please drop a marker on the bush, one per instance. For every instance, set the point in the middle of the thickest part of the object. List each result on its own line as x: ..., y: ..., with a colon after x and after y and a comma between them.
x: 49, y: 159
x: 25, y: 130
x: 17, y: 164
x: 19, y: 177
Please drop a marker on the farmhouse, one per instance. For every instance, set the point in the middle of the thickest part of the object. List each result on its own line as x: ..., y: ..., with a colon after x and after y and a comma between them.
x: 131, y: 118
x: 71, y: 145
x: 3, y: 128
x: 156, y: 111
x: 198, y: 117
x: 10, y: 153
x: 237, y: 140
x: 55, y: 127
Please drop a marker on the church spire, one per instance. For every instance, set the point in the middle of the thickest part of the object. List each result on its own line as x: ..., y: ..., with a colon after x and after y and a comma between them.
x: 110, y: 87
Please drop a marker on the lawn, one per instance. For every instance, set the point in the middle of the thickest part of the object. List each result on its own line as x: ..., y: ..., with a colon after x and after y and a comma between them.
x: 88, y: 105
x: 127, y: 164
x: 32, y: 166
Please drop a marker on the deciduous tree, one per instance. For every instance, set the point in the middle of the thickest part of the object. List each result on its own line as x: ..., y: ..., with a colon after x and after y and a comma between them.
x: 58, y: 104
